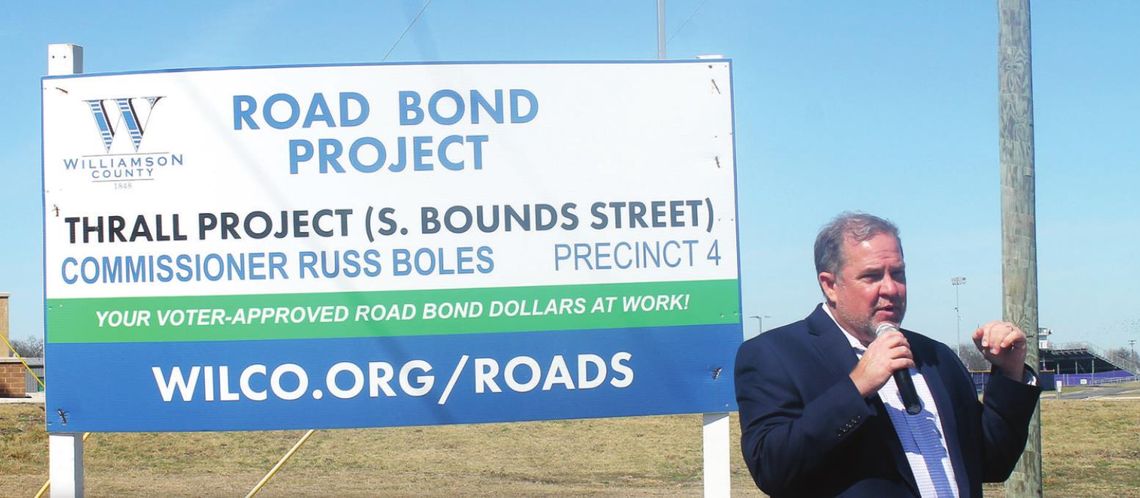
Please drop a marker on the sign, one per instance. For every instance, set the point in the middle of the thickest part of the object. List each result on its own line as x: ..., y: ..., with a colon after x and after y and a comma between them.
x: 386, y: 245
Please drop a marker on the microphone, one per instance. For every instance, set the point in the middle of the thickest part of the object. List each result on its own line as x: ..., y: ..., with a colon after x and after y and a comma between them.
x: 902, y: 377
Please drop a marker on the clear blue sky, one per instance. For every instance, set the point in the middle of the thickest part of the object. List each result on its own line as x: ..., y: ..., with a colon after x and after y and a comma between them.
x: 886, y: 107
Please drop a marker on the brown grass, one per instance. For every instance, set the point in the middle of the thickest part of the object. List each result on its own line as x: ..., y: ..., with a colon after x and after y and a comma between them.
x: 644, y: 456
x: 1091, y: 448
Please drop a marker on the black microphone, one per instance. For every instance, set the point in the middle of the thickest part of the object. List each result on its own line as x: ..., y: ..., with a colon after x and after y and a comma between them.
x: 902, y: 377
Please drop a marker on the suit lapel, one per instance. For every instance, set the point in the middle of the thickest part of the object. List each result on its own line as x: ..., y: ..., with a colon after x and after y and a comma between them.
x: 837, y: 354
x: 831, y: 344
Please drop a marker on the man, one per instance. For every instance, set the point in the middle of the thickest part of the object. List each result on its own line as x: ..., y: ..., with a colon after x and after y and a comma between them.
x: 820, y: 413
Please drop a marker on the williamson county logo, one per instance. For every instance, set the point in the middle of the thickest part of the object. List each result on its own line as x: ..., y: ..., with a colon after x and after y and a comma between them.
x: 122, y: 124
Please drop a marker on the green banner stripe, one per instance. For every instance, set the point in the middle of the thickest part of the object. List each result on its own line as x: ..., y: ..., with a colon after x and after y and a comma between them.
x: 392, y: 313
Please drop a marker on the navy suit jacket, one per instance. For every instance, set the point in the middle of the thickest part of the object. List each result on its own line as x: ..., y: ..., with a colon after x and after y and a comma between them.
x: 806, y: 431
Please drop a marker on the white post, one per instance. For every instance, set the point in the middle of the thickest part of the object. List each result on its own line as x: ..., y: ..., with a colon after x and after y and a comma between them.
x: 717, y: 473
x: 65, y: 451
x: 660, y: 29
x: 64, y: 58
x: 717, y: 477
x: 65, y: 455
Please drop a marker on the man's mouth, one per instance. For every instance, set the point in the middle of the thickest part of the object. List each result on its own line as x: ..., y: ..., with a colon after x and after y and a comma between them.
x: 888, y: 310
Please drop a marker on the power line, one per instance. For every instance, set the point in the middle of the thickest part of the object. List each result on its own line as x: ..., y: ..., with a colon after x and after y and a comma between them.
x: 409, y: 28
x: 687, y: 19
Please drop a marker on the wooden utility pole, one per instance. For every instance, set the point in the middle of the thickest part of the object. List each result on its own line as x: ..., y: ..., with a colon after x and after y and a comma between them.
x: 1018, y: 212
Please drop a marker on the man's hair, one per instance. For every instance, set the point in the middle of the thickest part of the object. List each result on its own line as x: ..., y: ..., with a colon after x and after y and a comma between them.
x: 858, y: 226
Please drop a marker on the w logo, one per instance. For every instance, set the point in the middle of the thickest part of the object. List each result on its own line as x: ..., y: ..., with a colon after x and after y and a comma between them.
x: 133, y: 113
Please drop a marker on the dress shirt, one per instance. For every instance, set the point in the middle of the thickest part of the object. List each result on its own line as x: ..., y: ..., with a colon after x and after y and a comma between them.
x: 922, y: 436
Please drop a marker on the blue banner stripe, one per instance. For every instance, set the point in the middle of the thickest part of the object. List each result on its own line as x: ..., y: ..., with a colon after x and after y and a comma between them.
x: 581, y: 374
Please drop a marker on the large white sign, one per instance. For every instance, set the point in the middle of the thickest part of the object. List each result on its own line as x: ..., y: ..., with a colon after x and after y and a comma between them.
x: 345, y: 246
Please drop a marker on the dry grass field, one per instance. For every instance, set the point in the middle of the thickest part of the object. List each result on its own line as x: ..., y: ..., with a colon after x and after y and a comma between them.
x: 1091, y: 448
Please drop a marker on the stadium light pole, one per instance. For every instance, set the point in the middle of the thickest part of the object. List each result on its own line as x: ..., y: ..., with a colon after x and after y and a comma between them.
x: 1132, y: 343
x: 957, y: 282
x: 760, y: 322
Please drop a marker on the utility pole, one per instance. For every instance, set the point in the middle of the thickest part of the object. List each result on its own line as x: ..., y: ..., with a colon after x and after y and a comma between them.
x: 1018, y: 212
x: 957, y: 282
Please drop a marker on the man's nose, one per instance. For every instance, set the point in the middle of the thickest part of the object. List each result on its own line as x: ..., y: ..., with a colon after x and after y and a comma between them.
x: 888, y: 286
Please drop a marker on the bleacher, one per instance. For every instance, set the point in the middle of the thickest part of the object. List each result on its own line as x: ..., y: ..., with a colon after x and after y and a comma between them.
x: 1084, y: 364
x: 1079, y: 358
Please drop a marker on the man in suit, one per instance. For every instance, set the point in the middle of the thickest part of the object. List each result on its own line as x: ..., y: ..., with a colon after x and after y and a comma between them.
x: 821, y: 415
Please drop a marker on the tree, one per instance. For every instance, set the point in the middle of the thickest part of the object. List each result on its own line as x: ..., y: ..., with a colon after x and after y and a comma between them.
x: 973, y: 358
x: 31, y: 347
x: 1122, y: 357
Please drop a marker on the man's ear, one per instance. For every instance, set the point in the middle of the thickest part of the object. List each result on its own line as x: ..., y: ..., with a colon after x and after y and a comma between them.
x: 827, y: 284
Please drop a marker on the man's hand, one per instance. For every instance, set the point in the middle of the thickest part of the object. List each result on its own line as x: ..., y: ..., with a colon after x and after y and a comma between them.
x: 1003, y: 345
x: 887, y: 353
